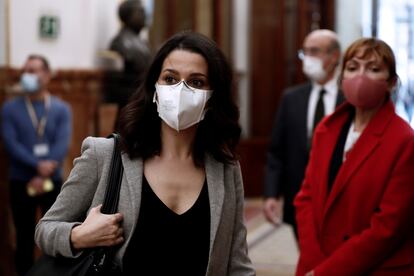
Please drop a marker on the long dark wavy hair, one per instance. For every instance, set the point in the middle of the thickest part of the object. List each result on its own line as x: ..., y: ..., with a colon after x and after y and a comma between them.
x: 217, y: 134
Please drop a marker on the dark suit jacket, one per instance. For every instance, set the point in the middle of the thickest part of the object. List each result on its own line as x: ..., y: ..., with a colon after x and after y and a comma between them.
x: 289, y: 148
x: 364, y: 225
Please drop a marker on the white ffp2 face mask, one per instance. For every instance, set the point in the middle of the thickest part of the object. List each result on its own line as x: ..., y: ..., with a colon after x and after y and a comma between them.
x: 313, y: 68
x: 181, y: 106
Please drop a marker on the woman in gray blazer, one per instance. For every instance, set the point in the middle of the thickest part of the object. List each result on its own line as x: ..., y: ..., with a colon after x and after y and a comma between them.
x: 181, y: 199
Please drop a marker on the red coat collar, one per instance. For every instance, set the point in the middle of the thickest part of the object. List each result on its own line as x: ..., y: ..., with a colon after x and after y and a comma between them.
x: 376, y: 126
x: 327, y: 136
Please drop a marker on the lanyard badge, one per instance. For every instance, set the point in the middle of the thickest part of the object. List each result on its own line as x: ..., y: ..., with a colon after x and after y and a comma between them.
x: 40, y: 149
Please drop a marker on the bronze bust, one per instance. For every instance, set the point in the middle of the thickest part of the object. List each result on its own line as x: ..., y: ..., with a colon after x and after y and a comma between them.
x: 127, y: 42
x: 134, y: 51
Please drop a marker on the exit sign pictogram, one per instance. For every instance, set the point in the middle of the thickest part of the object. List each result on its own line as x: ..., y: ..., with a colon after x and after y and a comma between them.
x: 49, y: 26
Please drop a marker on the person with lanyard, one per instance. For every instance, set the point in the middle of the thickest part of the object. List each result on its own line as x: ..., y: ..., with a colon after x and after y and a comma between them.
x: 36, y: 130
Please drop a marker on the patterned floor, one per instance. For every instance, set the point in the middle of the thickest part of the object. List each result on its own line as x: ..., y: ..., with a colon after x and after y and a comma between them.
x: 273, y: 250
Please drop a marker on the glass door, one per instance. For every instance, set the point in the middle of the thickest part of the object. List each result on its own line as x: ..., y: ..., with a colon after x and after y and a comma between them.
x: 394, y: 23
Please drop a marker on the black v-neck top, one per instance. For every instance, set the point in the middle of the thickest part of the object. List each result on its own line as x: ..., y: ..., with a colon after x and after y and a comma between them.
x: 165, y: 243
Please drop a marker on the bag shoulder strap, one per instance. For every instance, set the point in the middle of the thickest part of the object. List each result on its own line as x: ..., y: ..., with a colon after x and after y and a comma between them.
x: 113, y: 187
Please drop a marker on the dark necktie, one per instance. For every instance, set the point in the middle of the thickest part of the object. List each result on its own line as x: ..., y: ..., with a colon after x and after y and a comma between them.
x: 319, y: 110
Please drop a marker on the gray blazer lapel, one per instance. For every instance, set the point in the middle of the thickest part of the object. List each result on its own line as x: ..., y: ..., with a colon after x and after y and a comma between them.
x: 215, y: 184
x: 133, y: 176
x: 131, y: 197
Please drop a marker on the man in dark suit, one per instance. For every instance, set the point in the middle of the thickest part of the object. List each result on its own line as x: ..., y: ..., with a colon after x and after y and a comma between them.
x: 301, y: 108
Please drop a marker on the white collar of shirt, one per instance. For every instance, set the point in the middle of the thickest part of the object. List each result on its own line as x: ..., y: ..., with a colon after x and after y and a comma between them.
x: 351, y: 139
x: 329, y: 100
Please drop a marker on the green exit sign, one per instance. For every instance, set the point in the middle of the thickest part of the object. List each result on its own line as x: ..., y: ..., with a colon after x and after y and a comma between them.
x: 49, y: 26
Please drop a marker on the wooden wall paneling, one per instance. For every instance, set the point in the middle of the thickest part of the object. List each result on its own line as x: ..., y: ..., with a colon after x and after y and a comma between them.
x: 267, y: 63
x: 218, y: 21
x: 107, y: 114
x: 171, y: 18
x: 178, y: 16
x: 81, y: 89
x: 185, y: 15
x: 6, y: 229
x: 267, y: 82
x: 202, y: 17
x: 328, y: 14
x: 312, y: 15
x: 222, y: 25
x: 302, y: 29
x: 252, y: 163
x: 157, y: 29
x: 292, y: 43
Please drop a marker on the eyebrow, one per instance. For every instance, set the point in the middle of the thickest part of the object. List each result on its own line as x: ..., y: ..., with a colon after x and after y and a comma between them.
x: 177, y: 73
x: 357, y: 60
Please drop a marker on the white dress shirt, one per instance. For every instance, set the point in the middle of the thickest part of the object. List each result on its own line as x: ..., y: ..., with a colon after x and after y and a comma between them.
x: 329, y: 101
x: 351, y: 139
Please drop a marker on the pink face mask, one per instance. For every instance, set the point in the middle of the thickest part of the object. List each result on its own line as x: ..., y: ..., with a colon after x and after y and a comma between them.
x: 363, y: 92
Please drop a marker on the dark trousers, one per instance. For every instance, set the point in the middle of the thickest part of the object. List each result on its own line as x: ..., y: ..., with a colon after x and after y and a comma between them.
x: 24, y: 216
x: 289, y: 216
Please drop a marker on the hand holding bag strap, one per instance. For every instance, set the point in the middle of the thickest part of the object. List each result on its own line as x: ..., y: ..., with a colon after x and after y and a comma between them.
x: 110, y: 205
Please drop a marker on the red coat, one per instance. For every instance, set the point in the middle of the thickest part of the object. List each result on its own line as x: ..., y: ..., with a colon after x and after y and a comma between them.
x: 365, y: 225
